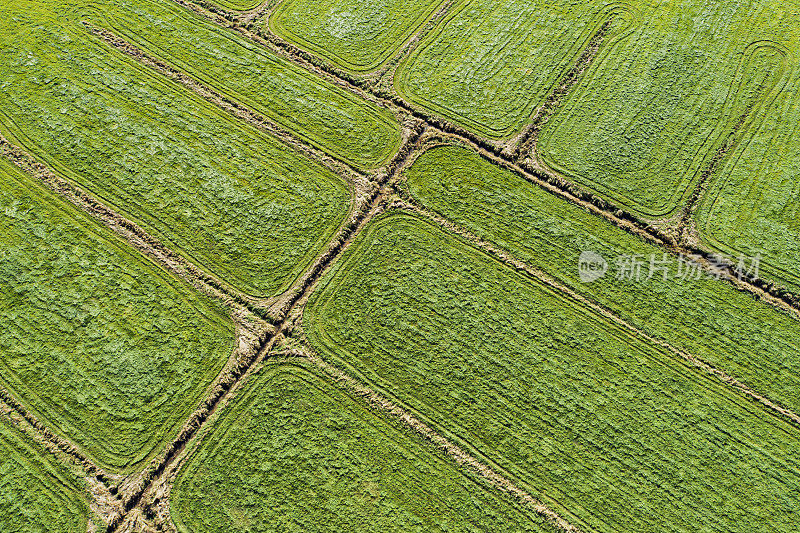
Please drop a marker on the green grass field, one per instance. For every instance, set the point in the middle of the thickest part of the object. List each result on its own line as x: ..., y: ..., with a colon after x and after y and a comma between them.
x: 295, y: 453
x: 658, y: 102
x: 36, y: 493
x: 595, y: 422
x: 230, y: 198
x: 357, y: 35
x: 332, y: 119
x: 754, y: 204
x: 635, y: 402
x: 109, y: 350
x: 490, y: 63
x: 706, y: 317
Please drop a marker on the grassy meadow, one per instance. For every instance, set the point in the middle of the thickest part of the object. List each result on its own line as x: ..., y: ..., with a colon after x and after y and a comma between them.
x: 661, y: 99
x: 332, y: 119
x: 36, y: 493
x: 357, y: 35
x: 232, y: 199
x: 705, y: 317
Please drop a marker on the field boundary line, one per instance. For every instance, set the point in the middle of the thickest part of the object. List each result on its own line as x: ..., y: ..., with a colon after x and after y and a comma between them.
x: 509, y: 260
x: 529, y: 137
x: 452, y: 450
x: 766, y: 290
x: 382, y: 78
x: 105, y: 497
x: 686, y: 229
x: 706, y: 259
x: 128, y: 230
x: 350, y: 175
x: 227, y: 382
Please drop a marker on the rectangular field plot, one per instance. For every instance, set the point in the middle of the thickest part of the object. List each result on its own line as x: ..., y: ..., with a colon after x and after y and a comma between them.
x: 107, y: 349
x: 603, y: 427
x: 355, y: 34
x: 706, y: 317
x: 659, y: 102
x: 753, y: 207
x: 330, y: 118
x: 490, y: 63
x: 299, y: 454
x: 233, y: 200
x: 36, y: 493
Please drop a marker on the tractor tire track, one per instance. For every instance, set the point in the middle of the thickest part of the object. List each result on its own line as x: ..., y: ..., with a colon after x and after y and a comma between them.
x: 128, y: 230
x: 105, y: 497
x: 511, y: 261
x: 452, y: 450
x: 350, y: 175
x: 765, y: 290
x: 530, y: 135
x: 226, y: 383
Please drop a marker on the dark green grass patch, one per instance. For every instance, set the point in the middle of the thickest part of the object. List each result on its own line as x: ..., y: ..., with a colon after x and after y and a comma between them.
x: 706, y: 317
x: 328, y: 117
x: 107, y: 349
x: 660, y: 101
x: 36, y: 493
x: 230, y: 198
x: 295, y: 453
x: 602, y: 426
x: 359, y: 35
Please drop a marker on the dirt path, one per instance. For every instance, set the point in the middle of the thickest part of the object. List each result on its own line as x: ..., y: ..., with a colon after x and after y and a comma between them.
x: 767, y: 291
x: 160, y: 469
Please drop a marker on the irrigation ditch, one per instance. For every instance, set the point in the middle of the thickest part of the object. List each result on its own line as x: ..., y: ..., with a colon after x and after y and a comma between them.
x: 264, y: 322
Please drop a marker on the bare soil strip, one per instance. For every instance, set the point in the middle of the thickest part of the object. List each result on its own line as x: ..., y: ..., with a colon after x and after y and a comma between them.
x: 238, y: 110
x: 529, y: 137
x: 766, y: 290
x: 228, y: 381
x: 515, y: 263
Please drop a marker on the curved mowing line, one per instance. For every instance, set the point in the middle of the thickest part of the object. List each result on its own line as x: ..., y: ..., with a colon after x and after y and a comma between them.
x: 34, y: 406
x: 319, y: 133
x: 406, y: 67
x: 278, y: 27
x: 340, y: 384
x: 329, y: 293
x: 694, y: 178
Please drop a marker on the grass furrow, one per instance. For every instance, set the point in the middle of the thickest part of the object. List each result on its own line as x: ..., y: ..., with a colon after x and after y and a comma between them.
x: 36, y: 493
x: 707, y: 318
x: 232, y: 200
x: 322, y: 114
